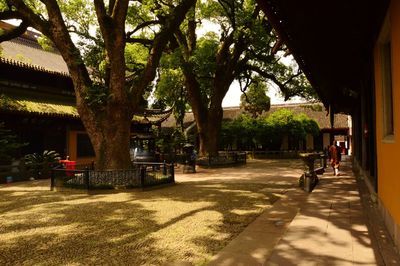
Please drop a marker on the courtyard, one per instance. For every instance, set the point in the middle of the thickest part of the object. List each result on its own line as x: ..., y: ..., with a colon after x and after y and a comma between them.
x: 189, y: 222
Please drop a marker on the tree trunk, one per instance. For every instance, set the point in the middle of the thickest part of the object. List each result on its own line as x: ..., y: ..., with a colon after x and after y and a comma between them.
x: 209, y: 133
x: 202, y: 135
x: 109, y: 132
x: 111, y: 144
x: 208, y: 121
x: 210, y: 128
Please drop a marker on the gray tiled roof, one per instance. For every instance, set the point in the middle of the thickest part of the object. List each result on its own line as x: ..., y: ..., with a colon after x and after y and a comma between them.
x: 26, y: 50
x: 314, y: 111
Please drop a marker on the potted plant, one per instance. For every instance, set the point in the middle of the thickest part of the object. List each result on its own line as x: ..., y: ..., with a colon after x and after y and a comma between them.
x: 42, y: 163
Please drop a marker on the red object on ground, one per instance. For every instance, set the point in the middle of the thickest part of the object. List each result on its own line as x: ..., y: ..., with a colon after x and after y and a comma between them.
x: 69, y: 165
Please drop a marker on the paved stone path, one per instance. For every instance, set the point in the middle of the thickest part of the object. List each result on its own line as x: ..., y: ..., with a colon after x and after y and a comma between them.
x: 330, y: 226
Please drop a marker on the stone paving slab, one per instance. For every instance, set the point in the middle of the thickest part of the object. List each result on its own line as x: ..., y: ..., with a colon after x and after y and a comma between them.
x: 330, y: 226
x: 330, y: 230
x: 255, y: 244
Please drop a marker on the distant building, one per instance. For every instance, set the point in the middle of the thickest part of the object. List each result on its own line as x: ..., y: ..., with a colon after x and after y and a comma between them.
x: 341, y: 130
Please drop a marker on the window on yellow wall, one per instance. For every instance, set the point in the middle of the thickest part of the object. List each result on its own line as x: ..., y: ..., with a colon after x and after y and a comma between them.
x: 387, y: 89
x: 84, y: 146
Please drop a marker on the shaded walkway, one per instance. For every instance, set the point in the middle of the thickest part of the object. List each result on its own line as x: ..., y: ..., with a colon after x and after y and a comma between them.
x: 328, y: 227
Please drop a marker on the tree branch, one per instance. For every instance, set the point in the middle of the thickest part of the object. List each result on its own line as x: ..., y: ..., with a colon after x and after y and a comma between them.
x: 145, y: 42
x: 160, y: 42
x: 223, y: 52
x: 26, y: 14
x: 141, y: 26
x: 262, y: 57
x: 277, y: 46
x: 119, y: 13
x: 229, y: 8
x: 15, y: 32
x: 299, y: 72
x: 8, y: 14
x: 166, y: 4
x: 271, y: 77
x: 180, y: 38
x: 102, y: 18
x: 111, y: 5
x: 112, y: 28
x: 85, y: 34
x: 191, y: 30
x: 246, y: 85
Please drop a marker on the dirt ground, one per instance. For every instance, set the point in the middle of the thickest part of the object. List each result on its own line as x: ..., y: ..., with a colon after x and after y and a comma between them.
x: 187, y: 222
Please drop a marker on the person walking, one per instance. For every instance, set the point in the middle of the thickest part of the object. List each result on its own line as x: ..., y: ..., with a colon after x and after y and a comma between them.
x: 333, y: 156
x: 339, y: 153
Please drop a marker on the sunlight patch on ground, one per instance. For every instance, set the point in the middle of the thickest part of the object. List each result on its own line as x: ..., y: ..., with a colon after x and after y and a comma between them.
x: 190, y: 221
x: 61, y: 230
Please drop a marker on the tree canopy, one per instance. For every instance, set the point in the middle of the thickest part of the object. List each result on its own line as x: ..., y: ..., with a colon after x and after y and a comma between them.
x: 244, y: 48
x: 112, y: 60
x: 116, y: 55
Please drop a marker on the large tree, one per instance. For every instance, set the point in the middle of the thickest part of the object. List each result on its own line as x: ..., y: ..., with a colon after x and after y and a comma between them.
x: 246, y: 49
x: 105, y: 96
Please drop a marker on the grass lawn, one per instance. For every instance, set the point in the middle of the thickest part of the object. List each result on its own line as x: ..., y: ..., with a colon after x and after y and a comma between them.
x: 190, y: 221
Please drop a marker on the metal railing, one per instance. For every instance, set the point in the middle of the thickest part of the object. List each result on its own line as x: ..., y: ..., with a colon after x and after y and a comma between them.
x: 278, y: 154
x: 223, y: 158
x: 143, y: 174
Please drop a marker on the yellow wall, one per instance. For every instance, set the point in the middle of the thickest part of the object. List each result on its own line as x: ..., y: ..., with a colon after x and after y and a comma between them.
x: 72, y: 148
x: 388, y: 152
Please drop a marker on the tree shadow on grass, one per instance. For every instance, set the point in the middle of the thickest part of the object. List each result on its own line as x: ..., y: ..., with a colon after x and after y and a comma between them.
x: 151, y: 227
x: 189, y: 222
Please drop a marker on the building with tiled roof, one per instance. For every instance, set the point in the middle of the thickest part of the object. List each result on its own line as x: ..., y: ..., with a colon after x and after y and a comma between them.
x: 315, y: 111
x: 37, y: 100
x: 339, y: 131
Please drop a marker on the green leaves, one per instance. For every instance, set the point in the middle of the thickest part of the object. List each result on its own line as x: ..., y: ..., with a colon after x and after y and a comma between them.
x: 135, y: 57
x: 310, y: 125
x: 255, y: 100
x: 3, y: 6
x: 170, y: 89
x: 248, y: 133
x: 42, y: 162
x: 45, y: 158
x: 79, y: 13
x: 45, y: 43
x: 8, y: 144
x: 97, y: 96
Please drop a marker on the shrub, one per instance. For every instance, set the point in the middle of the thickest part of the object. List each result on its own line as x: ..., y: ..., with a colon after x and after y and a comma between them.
x: 42, y: 163
x: 8, y: 145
